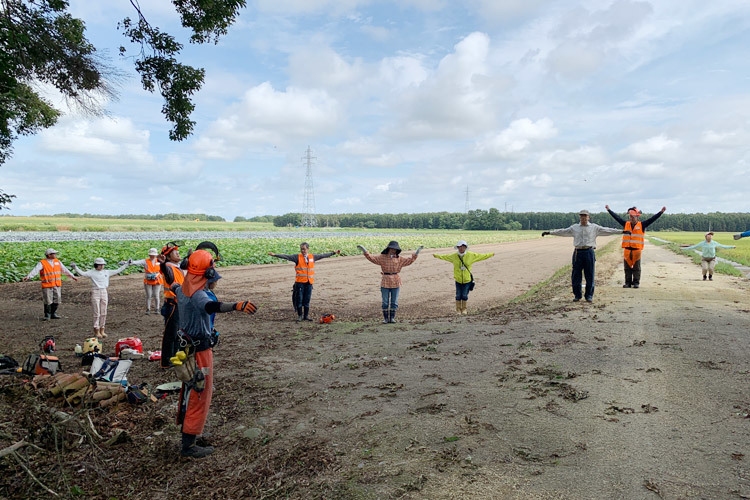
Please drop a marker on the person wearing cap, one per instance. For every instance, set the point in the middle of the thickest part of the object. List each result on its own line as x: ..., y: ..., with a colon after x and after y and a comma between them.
x: 50, y: 271
x: 99, y: 296
x: 153, y: 281
x: 305, y: 275
x: 196, y: 307
x: 462, y: 261
x: 632, y: 243
x: 584, y: 259
x: 169, y: 343
x: 390, y: 263
x: 708, y: 253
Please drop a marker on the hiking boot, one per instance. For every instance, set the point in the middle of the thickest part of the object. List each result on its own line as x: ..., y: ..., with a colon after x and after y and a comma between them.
x: 196, y: 451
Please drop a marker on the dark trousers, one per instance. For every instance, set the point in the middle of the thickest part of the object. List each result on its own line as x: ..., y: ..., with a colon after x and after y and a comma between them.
x: 301, y: 294
x: 169, y: 342
x: 584, y: 262
x: 632, y: 276
x: 462, y: 291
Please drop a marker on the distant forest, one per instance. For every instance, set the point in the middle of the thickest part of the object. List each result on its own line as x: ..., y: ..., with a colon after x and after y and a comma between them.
x: 493, y: 219
x: 201, y: 217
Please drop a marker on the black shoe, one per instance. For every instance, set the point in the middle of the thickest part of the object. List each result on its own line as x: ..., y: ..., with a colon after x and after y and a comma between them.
x: 196, y: 451
x: 626, y: 285
x: 307, y: 319
x: 576, y: 299
x: 711, y: 278
x: 589, y: 299
x: 704, y: 277
x: 299, y: 318
x: 636, y: 285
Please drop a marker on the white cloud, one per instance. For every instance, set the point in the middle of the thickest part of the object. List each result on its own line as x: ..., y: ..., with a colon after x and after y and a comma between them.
x: 519, y: 135
x: 658, y: 148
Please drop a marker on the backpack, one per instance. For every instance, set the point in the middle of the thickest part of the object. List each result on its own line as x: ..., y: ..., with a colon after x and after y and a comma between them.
x: 41, y: 364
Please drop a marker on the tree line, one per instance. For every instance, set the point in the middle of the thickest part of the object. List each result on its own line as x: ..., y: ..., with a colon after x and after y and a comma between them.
x: 495, y: 220
x: 170, y: 216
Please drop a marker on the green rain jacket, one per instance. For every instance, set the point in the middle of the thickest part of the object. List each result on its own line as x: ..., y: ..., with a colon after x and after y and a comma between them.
x: 463, y: 275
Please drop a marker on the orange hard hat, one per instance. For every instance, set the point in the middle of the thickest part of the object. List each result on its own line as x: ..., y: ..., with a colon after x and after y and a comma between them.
x: 199, y: 261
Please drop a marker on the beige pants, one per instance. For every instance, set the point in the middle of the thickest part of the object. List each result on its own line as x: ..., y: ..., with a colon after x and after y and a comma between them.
x: 708, y: 265
x: 51, y: 295
x: 99, y: 299
x: 152, y: 292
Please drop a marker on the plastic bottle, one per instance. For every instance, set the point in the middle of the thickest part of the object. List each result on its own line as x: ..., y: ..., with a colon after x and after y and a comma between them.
x: 79, y: 350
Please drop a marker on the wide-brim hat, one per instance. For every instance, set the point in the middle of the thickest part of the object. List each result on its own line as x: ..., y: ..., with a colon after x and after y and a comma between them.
x: 394, y: 245
x: 583, y: 212
x: 100, y: 262
x: 461, y: 243
x: 153, y: 251
x: 50, y: 251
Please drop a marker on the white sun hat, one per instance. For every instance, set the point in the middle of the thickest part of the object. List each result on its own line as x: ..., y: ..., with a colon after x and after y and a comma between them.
x: 461, y: 243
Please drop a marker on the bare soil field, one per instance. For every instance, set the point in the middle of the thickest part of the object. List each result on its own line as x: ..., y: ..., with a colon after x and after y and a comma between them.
x: 642, y: 394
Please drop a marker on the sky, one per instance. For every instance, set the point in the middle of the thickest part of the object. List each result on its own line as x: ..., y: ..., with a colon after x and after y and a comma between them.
x: 529, y: 105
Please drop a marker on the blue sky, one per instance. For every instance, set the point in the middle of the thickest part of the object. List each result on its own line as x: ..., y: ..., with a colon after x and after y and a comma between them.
x: 533, y: 105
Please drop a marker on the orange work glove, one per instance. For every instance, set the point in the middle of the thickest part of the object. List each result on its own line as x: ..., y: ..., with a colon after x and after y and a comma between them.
x: 246, y: 307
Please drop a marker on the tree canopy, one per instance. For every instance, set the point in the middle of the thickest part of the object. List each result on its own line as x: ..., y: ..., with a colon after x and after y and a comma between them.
x: 41, y: 43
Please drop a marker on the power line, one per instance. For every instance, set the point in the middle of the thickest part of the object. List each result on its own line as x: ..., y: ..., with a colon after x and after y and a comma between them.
x: 466, y: 205
x: 308, y: 206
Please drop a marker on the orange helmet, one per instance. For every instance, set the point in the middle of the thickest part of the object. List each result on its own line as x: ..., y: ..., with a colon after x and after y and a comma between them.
x: 199, y: 262
x: 327, y: 318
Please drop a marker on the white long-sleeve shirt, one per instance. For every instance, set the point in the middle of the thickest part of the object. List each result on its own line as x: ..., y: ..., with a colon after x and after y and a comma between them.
x: 585, y: 236
x: 100, y: 279
x: 38, y: 267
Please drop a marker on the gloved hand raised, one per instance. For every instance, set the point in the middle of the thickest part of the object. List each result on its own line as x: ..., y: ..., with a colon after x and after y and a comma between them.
x: 419, y: 249
x: 246, y: 307
x: 545, y: 233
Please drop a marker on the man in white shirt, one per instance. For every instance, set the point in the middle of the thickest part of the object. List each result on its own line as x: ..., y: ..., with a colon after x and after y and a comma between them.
x: 584, y: 260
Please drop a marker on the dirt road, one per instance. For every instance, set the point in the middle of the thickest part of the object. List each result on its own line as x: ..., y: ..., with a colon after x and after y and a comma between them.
x: 642, y: 394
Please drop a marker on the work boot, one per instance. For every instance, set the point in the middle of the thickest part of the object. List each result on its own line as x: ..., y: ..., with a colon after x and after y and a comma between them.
x: 47, y: 314
x: 392, y: 316
x: 192, y: 450
x: 458, y: 307
x: 386, y: 319
x: 53, y: 311
x: 307, y: 314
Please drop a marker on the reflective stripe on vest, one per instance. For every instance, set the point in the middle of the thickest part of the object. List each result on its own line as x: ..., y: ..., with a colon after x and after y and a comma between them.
x: 153, y: 267
x: 634, y: 240
x: 179, y: 278
x: 305, y: 270
x: 51, y: 274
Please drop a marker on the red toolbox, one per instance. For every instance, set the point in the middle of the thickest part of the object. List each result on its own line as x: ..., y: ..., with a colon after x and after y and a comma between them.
x: 128, y: 343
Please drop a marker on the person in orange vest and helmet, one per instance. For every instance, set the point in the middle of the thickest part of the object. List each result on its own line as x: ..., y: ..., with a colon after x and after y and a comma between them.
x: 50, y: 271
x: 169, y: 344
x: 305, y: 276
x: 153, y: 281
x: 195, y: 332
x: 632, y: 244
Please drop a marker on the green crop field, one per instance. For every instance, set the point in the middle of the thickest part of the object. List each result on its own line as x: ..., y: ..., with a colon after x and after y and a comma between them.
x: 11, y: 223
x: 741, y: 254
x: 17, y: 259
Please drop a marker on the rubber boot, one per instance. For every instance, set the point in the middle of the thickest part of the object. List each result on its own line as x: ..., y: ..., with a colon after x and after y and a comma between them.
x: 392, y: 316
x: 53, y: 311
x: 190, y: 449
x: 464, y: 309
x: 386, y: 319
x: 47, y: 313
x: 458, y: 307
x: 307, y: 314
x: 628, y: 277
x: 97, y: 333
x: 299, y: 314
x: 101, y: 332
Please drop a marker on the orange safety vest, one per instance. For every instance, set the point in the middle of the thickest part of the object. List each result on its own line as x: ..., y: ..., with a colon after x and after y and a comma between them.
x: 305, y: 270
x: 635, y: 239
x: 153, y: 267
x: 179, y: 278
x: 51, y: 274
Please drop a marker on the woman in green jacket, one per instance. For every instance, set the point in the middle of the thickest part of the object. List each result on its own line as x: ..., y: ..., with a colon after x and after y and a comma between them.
x: 462, y: 261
